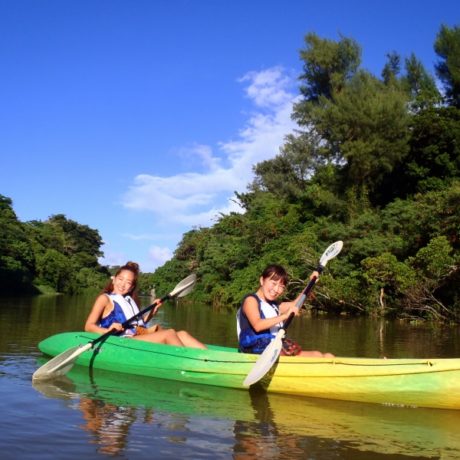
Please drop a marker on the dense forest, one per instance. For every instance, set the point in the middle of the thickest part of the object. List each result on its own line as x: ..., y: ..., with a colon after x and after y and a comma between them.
x: 57, y: 255
x: 375, y: 162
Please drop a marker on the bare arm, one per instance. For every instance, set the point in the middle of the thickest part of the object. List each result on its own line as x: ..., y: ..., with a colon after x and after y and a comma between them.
x: 150, y: 314
x: 288, y: 306
x: 102, y: 307
x: 251, y: 310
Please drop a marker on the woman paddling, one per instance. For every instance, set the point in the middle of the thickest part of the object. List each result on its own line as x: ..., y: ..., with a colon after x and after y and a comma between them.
x: 260, y: 316
x: 118, y: 302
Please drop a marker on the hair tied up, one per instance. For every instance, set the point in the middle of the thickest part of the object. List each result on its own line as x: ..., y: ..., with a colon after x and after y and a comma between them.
x: 133, y: 266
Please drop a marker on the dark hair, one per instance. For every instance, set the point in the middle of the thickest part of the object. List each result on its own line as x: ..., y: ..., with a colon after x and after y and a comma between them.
x: 276, y: 272
x: 133, y: 267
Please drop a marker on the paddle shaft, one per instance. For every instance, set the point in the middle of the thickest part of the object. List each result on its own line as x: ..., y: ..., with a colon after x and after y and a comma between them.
x: 328, y: 254
x: 301, y: 300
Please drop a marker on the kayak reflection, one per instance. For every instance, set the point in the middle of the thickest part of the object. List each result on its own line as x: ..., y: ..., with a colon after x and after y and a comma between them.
x: 111, y: 405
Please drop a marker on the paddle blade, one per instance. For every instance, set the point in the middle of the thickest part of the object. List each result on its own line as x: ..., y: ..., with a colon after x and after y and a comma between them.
x: 184, y: 287
x: 332, y: 251
x: 266, y: 360
x: 186, y: 291
x: 60, y: 364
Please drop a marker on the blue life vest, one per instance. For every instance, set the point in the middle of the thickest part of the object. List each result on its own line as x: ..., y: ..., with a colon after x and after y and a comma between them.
x: 249, y: 340
x: 118, y: 315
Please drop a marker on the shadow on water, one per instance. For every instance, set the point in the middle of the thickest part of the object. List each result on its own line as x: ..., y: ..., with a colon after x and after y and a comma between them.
x: 111, y: 403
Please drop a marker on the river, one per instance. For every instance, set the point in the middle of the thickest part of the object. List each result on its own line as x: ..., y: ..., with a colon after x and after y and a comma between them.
x: 115, y: 415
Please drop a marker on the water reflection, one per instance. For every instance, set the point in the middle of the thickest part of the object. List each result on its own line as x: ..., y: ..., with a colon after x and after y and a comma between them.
x: 262, y: 436
x: 276, y: 426
x: 108, y: 424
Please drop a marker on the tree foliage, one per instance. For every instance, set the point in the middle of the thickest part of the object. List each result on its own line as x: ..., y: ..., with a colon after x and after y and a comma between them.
x: 58, y: 254
x: 447, y: 47
x: 374, y: 162
x: 17, y: 259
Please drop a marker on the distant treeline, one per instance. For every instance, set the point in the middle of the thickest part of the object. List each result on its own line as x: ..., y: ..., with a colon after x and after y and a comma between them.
x: 375, y: 162
x: 57, y: 255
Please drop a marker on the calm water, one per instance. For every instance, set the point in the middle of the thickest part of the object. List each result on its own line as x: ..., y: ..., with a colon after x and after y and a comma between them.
x: 114, y: 415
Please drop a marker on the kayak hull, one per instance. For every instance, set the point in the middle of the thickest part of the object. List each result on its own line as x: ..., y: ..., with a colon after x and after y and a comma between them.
x: 404, y: 382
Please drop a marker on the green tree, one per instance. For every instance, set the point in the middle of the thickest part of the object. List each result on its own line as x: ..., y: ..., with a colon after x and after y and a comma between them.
x: 434, y: 261
x: 327, y: 66
x: 78, y: 244
x: 288, y: 174
x: 434, y: 156
x: 298, y: 174
x: 76, y: 238
x: 55, y: 270
x: 387, y: 279
x: 447, y: 47
x: 437, y: 268
x: 366, y: 129
x: 391, y: 69
x: 420, y: 85
x: 374, y: 162
x: 360, y: 122
x: 17, y: 261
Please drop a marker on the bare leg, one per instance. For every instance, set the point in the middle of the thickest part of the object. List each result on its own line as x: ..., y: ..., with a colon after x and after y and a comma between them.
x: 168, y: 336
x: 316, y: 354
x: 190, y: 341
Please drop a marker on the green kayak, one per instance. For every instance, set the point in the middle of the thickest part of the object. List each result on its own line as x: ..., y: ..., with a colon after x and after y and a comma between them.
x: 408, y: 382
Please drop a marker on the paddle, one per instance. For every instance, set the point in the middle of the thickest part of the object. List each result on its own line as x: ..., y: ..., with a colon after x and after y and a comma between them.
x: 272, y: 352
x: 62, y: 363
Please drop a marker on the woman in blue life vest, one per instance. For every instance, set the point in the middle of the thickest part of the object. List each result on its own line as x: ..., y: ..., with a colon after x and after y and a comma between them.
x: 260, y: 316
x: 118, y: 302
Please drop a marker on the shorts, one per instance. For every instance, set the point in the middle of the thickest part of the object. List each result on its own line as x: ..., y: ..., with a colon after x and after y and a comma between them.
x: 290, y: 348
x: 141, y: 330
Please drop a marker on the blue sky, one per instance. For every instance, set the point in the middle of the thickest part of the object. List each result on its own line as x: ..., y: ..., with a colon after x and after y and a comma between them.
x: 142, y: 118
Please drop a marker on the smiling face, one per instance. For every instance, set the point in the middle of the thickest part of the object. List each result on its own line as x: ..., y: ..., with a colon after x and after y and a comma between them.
x: 272, y: 287
x: 123, y: 282
x: 273, y: 281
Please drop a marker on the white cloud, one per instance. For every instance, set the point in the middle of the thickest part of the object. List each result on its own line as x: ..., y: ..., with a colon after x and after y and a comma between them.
x: 112, y: 258
x: 269, y: 87
x: 195, y: 199
x: 203, y: 153
x: 158, y: 256
x: 145, y: 236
